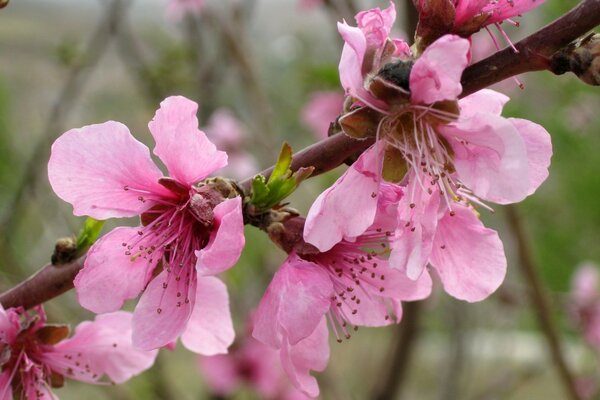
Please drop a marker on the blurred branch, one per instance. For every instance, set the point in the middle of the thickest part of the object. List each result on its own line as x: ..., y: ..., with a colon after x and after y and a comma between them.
x: 539, y: 300
x: 456, y: 351
x: 535, y: 51
x: 400, y: 354
x: 72, y: 88
x: 331, y: 152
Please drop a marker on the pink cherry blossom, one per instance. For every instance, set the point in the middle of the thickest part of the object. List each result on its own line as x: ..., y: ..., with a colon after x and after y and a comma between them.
x: 585, y: 303
x: 456, y: 154
x: 250, y: 363
x: 350, y: 285
x: 37, y: 356
x: 489, y: 12
x: 177, y: 9
x: 229, y: 135
x: 190, y: 228
x: 321, y: 110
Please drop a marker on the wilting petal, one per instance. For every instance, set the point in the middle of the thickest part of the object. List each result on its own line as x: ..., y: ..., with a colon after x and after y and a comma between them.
x: 185, y: 150
x: 164, y: 309
x: 209, y: 330
x: 226, y: 240
x: 417, y: 222
x: 468, y: 257
x: 490, y: 157
x: 376, y: 24
x: 100, y: 347
x: 483, y: 101
x: 347, y: 208
x: 311, y: 353
x: 436, y: 75
x: 539, y: 150
x: 293, y: 304
x: 109, y: 276
x: 104, y: 172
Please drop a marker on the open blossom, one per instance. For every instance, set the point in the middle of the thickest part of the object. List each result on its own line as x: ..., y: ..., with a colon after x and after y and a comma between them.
x: 250, y: 363
x: 322, y: 109
x: 191, y: 227
x: 228, y: 134
x: 36, y: 357
x: 448, y: 154
x: 348, y: 286
x: 585, y: 303
x: 176, y: 9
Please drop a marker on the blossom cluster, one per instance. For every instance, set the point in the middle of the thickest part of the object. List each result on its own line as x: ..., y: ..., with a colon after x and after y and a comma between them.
x: 404, y: 214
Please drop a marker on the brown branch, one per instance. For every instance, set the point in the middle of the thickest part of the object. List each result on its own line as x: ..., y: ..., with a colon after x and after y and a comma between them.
x: 331, y: 152
x: 404, y: 346
x: 49, y: 282
x: 539, y: 300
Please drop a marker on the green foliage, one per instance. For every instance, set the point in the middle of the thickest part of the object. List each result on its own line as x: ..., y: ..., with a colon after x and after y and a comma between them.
x: 88, y: 234
x: 282, y: 182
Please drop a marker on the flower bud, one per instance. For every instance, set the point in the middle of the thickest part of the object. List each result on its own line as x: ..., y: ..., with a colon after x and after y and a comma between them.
x: 582, y: 58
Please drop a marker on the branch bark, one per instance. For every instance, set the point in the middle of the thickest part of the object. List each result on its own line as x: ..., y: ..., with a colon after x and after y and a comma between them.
x: 539, y: 301
x: 327, y: 154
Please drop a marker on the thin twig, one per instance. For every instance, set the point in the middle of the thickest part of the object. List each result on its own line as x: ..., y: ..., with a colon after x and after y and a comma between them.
x: 539, y: 300
x: 404, y: 345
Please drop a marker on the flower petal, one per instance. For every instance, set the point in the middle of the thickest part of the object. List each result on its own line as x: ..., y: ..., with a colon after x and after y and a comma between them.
x: 164, y: 309
x: 210, y: 328
x: 226, y: 240
x: 311, y: 353
x: 468, y: 257
x: 417, y: 222
x: 435, y: 76
x: 348, y: 207
x: 504, y: 9
x: 293, y: 304
x: 539, y: 150
x: 186, y: 151
x: 5, y: 386
x: 100, y: 347
x: 376, y: 24
x: 103, y: 172
x: 483, y: 101
x: 490, y: 157
x: 109, y: 276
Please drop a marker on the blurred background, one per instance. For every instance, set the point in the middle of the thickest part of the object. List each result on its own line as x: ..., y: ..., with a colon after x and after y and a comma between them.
x: 265, y: 71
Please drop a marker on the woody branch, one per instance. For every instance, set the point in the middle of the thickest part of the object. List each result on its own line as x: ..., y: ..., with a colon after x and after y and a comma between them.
x: 535, y: 52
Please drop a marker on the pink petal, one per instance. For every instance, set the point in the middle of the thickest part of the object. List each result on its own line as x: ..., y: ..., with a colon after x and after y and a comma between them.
x: 351, y: 64
x: 9, y: 325
x: 472, y: 264
x: 376, y: 24
x: 33, y: 381
x: 5, y: 386
x: 311, y: 353
x: 321, y: 110
x: 153, y: 329
x: 226, y: 240
x: 333, y: 216
x: 209, y: 330
x: 505, y: 9
x: 220, y: 373
x: 539, y: 150
x: 412, y: 243
x: 297, y: 298
x: 584, y: 286
x: 490, y: 157
x: 110, y: 277
x: 467, y: 9
x: 435, y: 76
x: 483, y: 101
x: 185, y: 150
x: 101, y: 347
x: 103, y: 171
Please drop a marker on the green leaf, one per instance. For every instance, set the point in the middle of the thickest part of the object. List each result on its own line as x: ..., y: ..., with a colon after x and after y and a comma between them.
x: 268, y: 193
x: 89, y: 234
